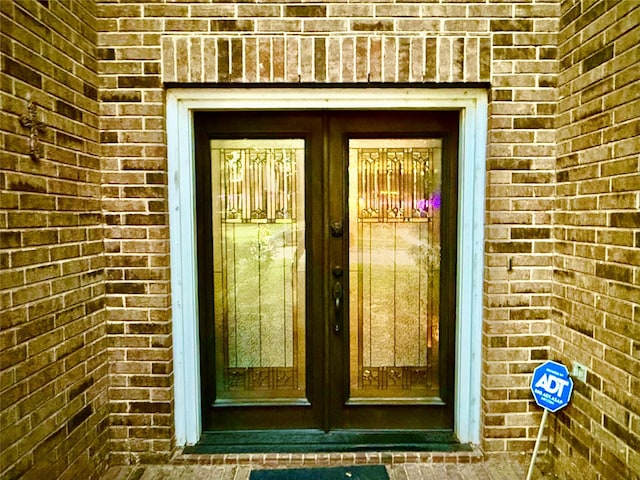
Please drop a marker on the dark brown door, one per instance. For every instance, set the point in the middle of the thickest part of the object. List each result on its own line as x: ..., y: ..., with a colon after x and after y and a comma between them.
x: 326, y: 257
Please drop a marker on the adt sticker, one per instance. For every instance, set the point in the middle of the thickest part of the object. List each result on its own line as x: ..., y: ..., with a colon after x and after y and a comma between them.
x: 551, y: 386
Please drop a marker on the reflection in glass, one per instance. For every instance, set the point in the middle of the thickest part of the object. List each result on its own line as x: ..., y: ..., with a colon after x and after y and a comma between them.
x: 394, y: 268
x: 259, y: 269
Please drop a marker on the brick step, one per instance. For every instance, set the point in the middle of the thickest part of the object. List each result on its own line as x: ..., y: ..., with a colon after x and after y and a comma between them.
x: 326, y: 459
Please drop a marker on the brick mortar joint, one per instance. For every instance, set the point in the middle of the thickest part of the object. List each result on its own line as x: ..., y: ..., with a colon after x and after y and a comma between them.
x: 293, y: 35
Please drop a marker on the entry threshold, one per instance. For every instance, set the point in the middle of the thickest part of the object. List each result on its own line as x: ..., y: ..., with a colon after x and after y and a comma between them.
x: 303, y: 441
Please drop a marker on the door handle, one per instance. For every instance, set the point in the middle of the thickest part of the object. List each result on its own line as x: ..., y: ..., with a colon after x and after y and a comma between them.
x: 337, y: 297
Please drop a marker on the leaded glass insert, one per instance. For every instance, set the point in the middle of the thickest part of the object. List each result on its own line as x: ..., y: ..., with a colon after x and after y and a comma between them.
x: 394, y: 268
x: 259, y: 269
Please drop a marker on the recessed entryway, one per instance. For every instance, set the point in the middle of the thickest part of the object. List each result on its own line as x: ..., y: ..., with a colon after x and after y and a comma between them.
x: 337, y: 354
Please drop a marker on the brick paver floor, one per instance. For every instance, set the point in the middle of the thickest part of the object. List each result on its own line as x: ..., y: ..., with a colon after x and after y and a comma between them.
x: 487, y: 470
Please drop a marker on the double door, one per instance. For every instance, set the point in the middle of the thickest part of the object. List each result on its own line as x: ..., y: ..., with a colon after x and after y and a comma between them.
x: 326, y: 271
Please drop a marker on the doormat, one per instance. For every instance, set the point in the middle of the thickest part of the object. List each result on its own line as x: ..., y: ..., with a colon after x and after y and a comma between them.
x: 366, y: 472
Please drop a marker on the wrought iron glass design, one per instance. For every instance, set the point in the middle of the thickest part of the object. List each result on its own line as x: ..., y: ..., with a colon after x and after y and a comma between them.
x: 259, y: 269
x: 394, y: 269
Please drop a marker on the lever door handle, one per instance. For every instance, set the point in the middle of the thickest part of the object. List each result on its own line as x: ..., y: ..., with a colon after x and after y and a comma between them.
x: 337, y: 297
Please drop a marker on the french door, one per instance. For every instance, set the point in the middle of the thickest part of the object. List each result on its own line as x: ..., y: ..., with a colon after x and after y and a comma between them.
x: 326, y: 272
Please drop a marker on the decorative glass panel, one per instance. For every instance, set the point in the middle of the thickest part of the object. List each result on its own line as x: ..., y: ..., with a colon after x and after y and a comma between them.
x: 259, y: 269
x: 394, y: 268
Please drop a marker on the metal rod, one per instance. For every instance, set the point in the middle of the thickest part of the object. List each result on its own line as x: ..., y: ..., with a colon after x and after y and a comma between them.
x: 537, y: 446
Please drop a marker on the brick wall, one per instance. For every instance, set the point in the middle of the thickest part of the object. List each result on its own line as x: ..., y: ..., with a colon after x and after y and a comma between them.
x: 512, y: 45
x: 596, y: 297
x: 520, y: 164
x: 53, y: 380
x: 84, y: 230
x: 136, y: 232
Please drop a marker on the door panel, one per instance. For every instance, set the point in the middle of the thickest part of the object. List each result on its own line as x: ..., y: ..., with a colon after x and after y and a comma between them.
x: 326, y: 254
x: 392, y: 363
x: 259, y: 218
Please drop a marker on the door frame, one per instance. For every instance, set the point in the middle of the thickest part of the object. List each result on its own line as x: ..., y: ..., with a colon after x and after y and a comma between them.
x: 180, y: 105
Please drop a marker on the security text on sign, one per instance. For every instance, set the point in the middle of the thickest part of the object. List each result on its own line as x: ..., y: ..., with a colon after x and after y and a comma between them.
x: 551, y: 386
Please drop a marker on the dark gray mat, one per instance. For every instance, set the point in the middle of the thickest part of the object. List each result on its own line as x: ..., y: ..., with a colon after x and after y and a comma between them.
x: 365, y: 472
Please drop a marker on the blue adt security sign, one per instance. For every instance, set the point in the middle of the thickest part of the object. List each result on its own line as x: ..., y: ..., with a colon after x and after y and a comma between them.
x: 551, y: 386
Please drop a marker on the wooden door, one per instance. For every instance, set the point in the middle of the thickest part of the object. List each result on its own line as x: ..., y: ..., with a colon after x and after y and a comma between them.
x: 392, y: 180
x: 326, y: 272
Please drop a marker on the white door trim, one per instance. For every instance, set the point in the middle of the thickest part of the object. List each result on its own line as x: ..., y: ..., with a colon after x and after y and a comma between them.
x: 181, y: 103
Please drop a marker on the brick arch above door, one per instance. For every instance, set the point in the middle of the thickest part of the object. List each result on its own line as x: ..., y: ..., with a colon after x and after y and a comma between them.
x: 325, y: 58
